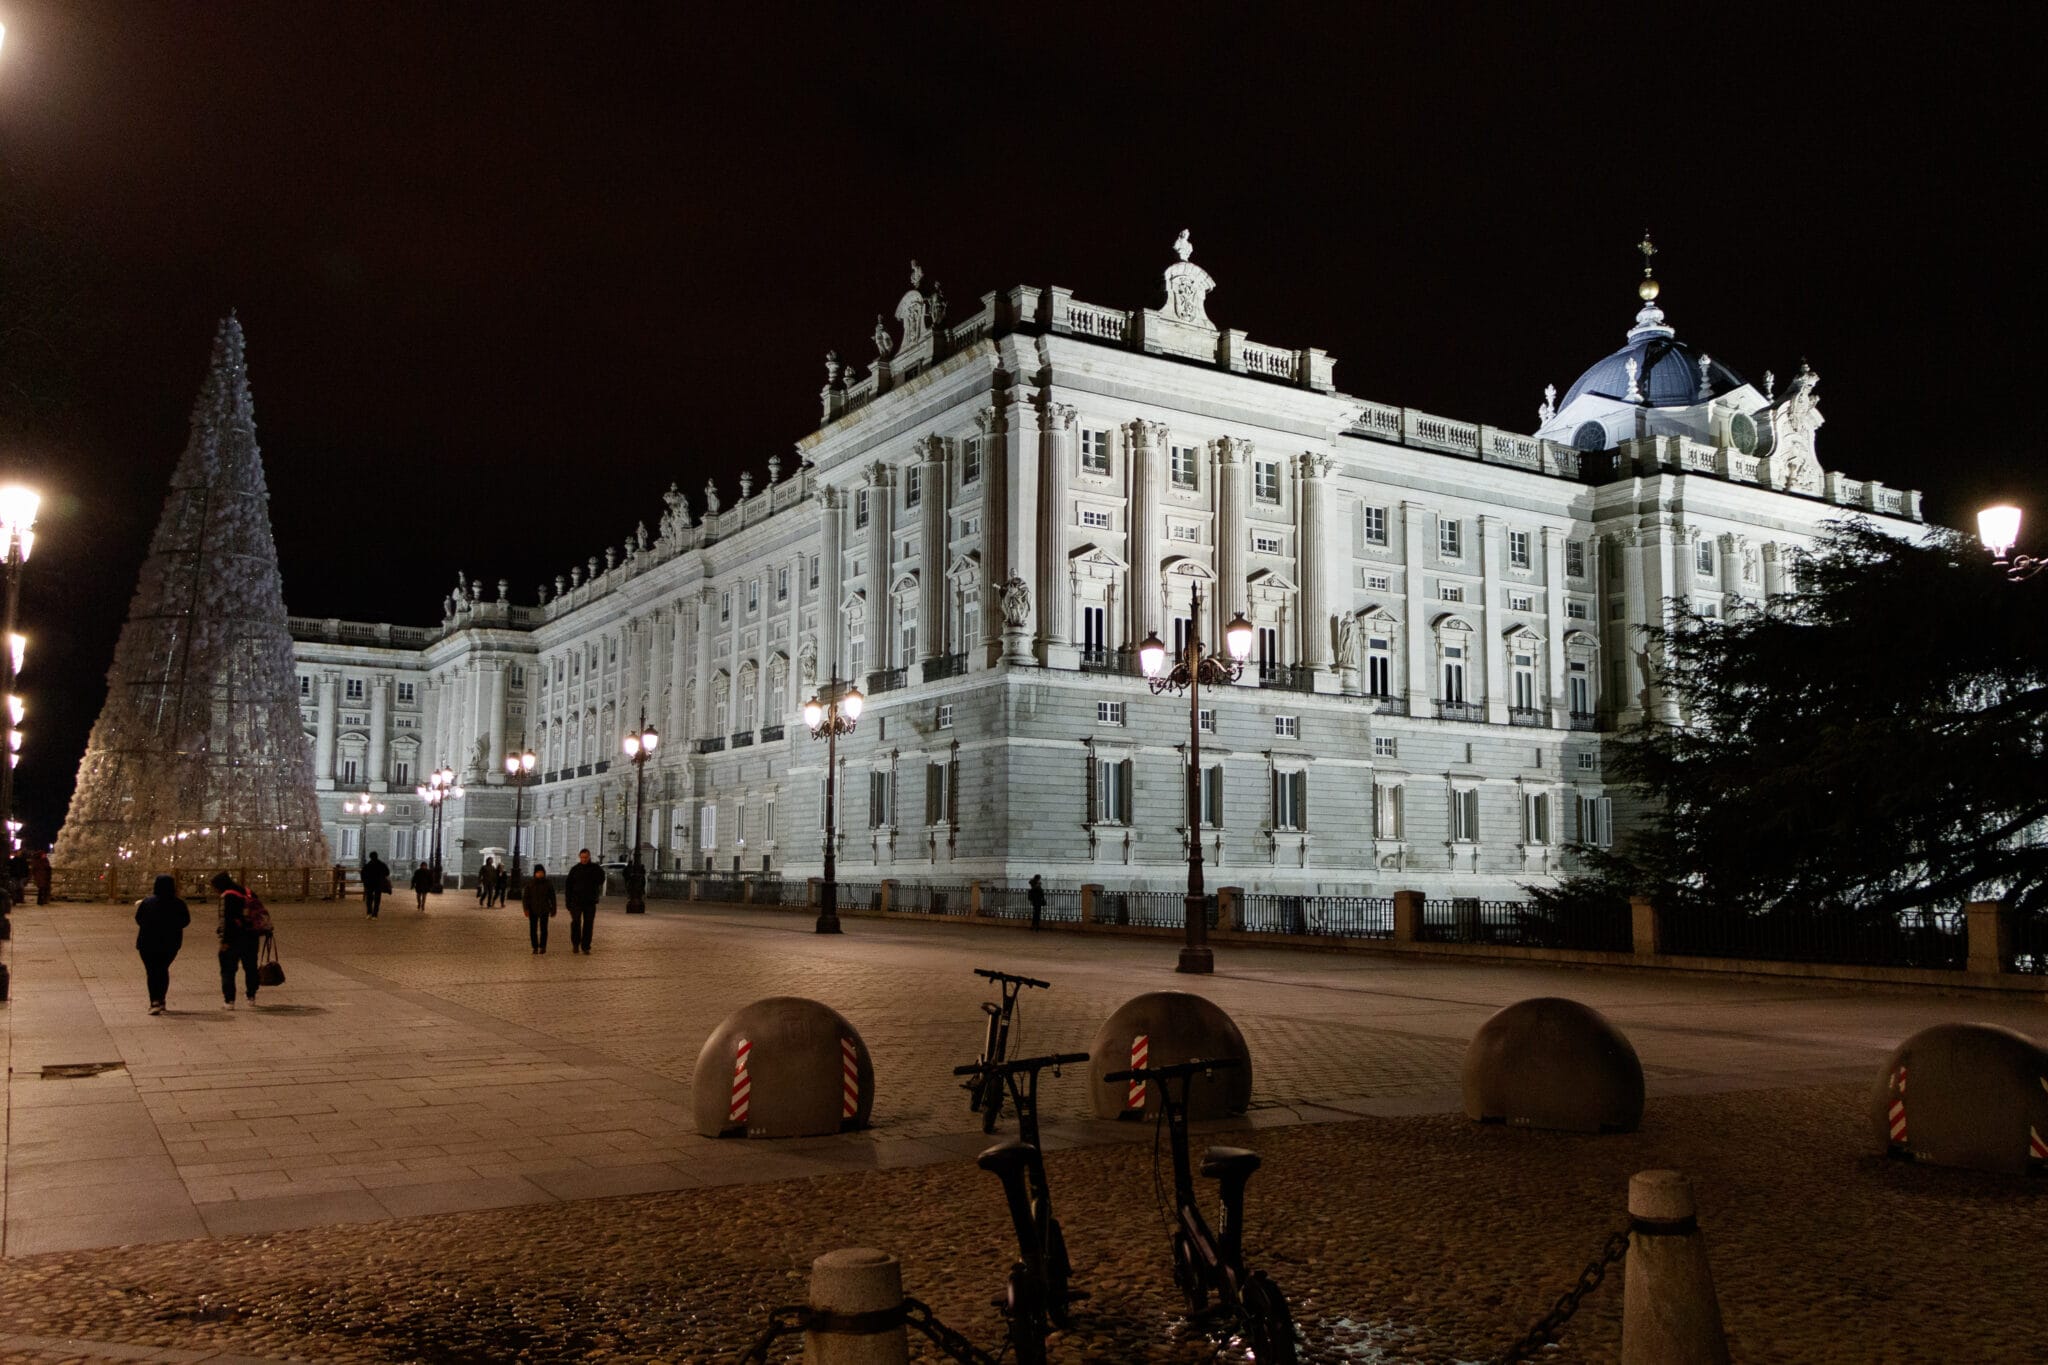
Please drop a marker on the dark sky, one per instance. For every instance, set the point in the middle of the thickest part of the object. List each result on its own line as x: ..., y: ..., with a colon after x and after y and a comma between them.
x: 507, y: 270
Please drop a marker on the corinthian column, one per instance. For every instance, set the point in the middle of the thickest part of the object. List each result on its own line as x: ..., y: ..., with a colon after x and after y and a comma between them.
x: 881, y: 626
x: 1233, y: 472
x: 932, y: 488
x: 1312, y: 542
x: 324, y: 731
x: 707, y: 600
x: 1056, y: 450
x: 829, y: 590
x: 678, y: 672
x: 380, y: 720
x: 1141, y: 593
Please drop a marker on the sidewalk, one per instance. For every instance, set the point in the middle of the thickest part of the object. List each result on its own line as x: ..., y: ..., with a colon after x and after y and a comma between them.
x: 425, y: 1064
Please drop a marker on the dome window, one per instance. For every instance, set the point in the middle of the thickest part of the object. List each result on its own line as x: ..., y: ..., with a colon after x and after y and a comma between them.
x: 1742, y: 433
x: 1590, y: 436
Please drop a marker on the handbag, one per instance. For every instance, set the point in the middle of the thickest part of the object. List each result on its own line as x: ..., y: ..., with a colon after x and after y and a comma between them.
x: 269, y: 970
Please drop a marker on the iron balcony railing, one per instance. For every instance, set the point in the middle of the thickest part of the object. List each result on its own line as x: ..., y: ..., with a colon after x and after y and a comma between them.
x: 711, y: 744
x: 1527, y: 715
x: 1288, y: 677
x: 743, y: 740
x: 1385, y: 705
x: 770, y: 733
x: 1460, y: 710
x: 944, y: 666
x: 885, y: 680
x: 1584, y: 720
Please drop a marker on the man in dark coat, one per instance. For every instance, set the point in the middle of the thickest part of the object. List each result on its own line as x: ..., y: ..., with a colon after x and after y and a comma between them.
x: 238, y: 939
x: 160, y: 924
x: 1035, y: 893
x: 487, y: 882
x: 582, y: 888
x: 422, y: 883
x: 538, y: 898
x: 376, y: 881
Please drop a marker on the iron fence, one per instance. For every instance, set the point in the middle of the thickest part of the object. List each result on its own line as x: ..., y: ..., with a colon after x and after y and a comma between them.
x: 2029, y: 944
x: 1602, y: 929
x: 860, y: 895
x: 932, y: 898
x: 1335, y: 916
x: 1929, y: 938
x: 720, y: 889
x: 1155, y: 909
x: 1062, y: 903
x: 782, y: 891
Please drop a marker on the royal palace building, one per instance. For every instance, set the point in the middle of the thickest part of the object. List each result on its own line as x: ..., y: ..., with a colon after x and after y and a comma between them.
x: 989, y: 518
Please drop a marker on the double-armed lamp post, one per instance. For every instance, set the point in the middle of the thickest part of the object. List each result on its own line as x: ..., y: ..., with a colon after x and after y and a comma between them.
x: 639, y: 748
x: 1188, y: 672
x: 17, y: 537
x: 440, y: 788
x: 830, y: 713
x: 1997, y: 527
x: 519, y: 772
x: 365, y: 806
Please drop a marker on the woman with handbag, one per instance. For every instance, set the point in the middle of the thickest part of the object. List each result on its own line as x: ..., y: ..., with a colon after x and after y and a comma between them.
x: 538, y: 896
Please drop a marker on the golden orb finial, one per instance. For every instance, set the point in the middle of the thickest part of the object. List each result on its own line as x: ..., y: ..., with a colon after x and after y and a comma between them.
x: 1648, y: 289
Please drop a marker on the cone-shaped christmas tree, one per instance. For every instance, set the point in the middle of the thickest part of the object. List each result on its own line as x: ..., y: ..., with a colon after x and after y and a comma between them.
x: 198, y: 759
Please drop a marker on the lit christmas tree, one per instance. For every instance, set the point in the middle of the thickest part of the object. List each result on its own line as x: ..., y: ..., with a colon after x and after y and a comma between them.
x: 198, y: 760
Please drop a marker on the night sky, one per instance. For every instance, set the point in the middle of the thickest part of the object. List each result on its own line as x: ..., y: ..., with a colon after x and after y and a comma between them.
x: 507, y: 270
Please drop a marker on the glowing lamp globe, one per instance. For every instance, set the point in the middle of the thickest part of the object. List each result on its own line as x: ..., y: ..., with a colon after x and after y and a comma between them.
x: 1999, y: 529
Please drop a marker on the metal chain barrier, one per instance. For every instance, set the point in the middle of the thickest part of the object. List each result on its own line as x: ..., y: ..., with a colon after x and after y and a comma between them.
x: 919, y: 1316
x: 1545, y: 1329
x: 794, y: 1320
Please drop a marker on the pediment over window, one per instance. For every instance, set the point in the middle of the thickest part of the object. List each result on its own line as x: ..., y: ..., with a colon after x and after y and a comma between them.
x: 1451, y: 621
x: 857, y: 600
x: 1376, y: 619
x: 967, y: 566
x: 1578, y: 639
x: 1519, y: 634
x: 1092, y: 557
x: 905, y: 586
x: 1183, y: 567
x: 1266, y: 580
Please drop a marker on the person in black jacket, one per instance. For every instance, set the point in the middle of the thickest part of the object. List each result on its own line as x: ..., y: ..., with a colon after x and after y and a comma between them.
x: 238, y: 939
x: 159, y: 932
x: 376, y: 881
x: 538, y: 897
x: 422, y: 883
x: 581, y: 888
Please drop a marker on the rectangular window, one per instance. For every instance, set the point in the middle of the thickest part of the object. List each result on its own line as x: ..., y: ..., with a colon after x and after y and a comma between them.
x: 1184, y: 530
x: 1536, y: 818
x: 350, y: 773
x: 401, y: 774
x: 1703, y: 558
x: 305, y: 684
x: 913, y: 486
x: 1454, y: 673
x: 1386, y: 811
x: 707, y: 827
x: 1525, y: 681
x: 1097, y: 520
x: 1112, y: 792
x: 1269, y: 651
x: 1575, y: 610
x: 768, y: 821
x: 1521, y: 601
x: 1379, y: 666
x: 878, y: 799
x: 814, y: 571
x: 1465, y: 816
x: 1575, y: 558
x: 1212, y: 796
x: 1265, y: 544
x: 1596, y: 821
x: 1109, y: 713
x: 1378, y: 582
x: 1450, y: 592
x: 1518, y: 549
x: 970, y: 526
x: 1375, y: 525
x: 1205, y: 721
x: 970, y: 460
x: 753, y: 595
x: 739, y: 824
x: 1290, y: 800
x: 907, y: 642
x: 1094, y: 451
x: 518, y: 680
x: 860, y: 508
x: 1266, y: 480
x: 350, y: 849
x: 935, y: 775
x: 1450, y: 539
x: 1095, y: 632
x: 725, y: 605
x: 1616, y: 608
x: 1585, y: 763
x: 353, y: 689
x: 782, y: 585
x: 944, y: 718
x: 1287, y: 727
x: 1383, y: 746
x: 1183, y: 458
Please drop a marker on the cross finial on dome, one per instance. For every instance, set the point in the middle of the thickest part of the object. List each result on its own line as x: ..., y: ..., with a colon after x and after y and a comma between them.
x: 1647, y: 290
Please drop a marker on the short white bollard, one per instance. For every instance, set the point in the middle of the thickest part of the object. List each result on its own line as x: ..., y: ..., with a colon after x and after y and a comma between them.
x: 861, y: 1289
x: 1669, y: 1315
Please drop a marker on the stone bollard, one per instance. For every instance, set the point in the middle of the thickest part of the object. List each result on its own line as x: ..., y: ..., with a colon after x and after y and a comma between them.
x: 1669, y: 1315
x: 862, y: 1290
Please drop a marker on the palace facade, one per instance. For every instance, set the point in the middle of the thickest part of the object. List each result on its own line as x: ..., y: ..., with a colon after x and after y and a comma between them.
x: 990, y: 517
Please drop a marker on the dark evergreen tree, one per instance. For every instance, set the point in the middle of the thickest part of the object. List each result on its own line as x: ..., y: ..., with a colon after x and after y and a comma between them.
x: 1873, y: 743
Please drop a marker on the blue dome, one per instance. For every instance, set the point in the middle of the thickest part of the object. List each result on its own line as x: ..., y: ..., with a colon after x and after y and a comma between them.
x: 1668, y: 373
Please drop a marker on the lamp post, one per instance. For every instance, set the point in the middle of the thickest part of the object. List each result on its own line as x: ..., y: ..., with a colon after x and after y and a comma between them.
x: 17, y: 537
x: 639, y: 748
x: 364, y: 807
x: 519, y: 771
x: 440, y: 788
x: 1190, y: 670
x: 1997, y: 527
x: 830, y: 713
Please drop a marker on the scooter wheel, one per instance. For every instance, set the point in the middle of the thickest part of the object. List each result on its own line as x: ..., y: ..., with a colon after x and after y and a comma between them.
x: 1027, y: 1318
x: 1188, y: 1276
x: 1057, y: 1272
x: 1272, y: 1325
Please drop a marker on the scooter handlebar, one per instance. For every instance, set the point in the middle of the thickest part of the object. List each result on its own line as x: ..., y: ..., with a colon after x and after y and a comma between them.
x: 1023, y: 1063
x: 1161, y: 1073
x: 1011, y: 976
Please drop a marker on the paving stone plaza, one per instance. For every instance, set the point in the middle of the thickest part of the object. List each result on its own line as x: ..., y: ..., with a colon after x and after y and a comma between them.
x: 433, y: 1144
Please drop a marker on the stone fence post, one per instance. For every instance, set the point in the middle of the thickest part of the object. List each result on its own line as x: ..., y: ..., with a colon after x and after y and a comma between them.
x: 1990, y: 936
x: 888, y: 893
x: 747, y: 891
x: 1407, y: 917
x: 1089, y: 891
x: 1669, y: 1314
x: 858, y: 1287
x: 974, y: 898
x: 1226, y: 906
x: 1644, y: 927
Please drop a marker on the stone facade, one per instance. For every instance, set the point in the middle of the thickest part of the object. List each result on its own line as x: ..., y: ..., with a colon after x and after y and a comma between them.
x: 984, y: 526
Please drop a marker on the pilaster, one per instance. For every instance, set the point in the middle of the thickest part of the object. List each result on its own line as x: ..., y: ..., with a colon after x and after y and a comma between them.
x: 1141, y: 596
x: 1416, y: 609
x: 324, y: 730
x: 1312, y: 555
x: 1059, y: 433
x: 932, y: 490
x: 1492, y: 583
x: 1555, y: 625
x: 830, y: 588
x: 380, y: 723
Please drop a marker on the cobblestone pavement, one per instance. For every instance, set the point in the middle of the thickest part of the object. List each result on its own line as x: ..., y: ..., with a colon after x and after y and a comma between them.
x: 429, y: 1065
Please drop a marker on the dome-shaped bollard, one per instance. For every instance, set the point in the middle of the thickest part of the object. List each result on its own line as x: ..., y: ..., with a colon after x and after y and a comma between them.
x: 1553, y: 1063
x: 782, y: 1067
x: 1973, y: 1095
x: 1158, y: 1029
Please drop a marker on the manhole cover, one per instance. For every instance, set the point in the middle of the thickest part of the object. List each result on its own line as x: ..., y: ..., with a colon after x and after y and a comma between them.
x: 73, y: 1071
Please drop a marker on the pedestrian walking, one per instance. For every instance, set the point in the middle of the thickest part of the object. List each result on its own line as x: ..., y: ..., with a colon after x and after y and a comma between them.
x: 39, y: 873
x: 160, y: 921
x: 238, y: 939
x: 376, y: 881
x: 338, y: 884
x: 582, y: 888
x: 538, y: 897
x: 505, y: 876
x: 1036, y: 895
x: 487, y: 882
x: 422, y: 883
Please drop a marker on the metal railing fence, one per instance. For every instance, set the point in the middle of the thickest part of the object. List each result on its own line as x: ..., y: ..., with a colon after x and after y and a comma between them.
x: 1931, y: 938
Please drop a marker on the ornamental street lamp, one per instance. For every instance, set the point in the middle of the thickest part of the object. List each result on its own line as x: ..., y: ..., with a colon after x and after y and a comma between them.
x: 1999, y: 529
x: 830, y: 713
x: 639, y: 748
x: 17, y: 537
x: 1190, y: 670
x: 364, y: 807
x: 518, y: 771
x: 440, y: 788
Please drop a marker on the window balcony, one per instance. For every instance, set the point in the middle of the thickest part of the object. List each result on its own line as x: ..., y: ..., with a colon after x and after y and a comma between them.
x: 1385, y: 705
x: 712, y: 745
x: 1527, y: 715
x: 944, y: 666
x: 1584, y: 720
x: 603, y: 765
x: 1461, y: 710
x: 885, y: 680
x: 1287, y: 677
x: 583, y: 770
x: 770, y: 733
x: 1103, y: 659
x: 743, y: 740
